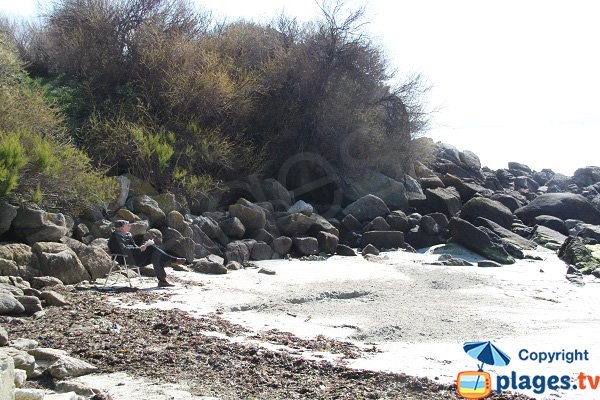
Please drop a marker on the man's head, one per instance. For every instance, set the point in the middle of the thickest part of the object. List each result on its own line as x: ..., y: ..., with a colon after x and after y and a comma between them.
x: 122, y: 225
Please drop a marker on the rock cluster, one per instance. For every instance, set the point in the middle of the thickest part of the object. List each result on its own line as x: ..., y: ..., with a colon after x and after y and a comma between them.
x: 499, y: 214
x: 23, y: 359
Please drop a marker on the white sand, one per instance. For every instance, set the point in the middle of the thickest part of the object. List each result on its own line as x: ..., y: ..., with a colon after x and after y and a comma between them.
x: 419, y: 315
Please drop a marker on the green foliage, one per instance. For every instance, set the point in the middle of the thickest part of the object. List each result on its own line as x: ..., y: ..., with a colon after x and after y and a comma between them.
x: 12, y: 159
x: 156, y: 88
x: 37, y: 162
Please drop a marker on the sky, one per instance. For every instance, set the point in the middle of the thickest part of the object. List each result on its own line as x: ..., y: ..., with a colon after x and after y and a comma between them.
x: 511, y: 80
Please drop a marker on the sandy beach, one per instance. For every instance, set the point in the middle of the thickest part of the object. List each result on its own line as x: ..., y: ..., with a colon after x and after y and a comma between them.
x: 416, y: 315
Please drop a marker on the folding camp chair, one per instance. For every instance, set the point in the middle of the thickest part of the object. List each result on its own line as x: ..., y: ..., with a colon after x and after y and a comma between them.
x: 119, y: 264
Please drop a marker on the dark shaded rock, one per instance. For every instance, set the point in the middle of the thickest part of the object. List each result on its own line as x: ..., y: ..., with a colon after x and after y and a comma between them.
x: 440, y: 219
x: 519, y: 167
x: 585, y: 257
x: 204, y: 244
x: 212, y: 229
x: 369, y: 182
x: 587, y: 176
x: 237, y: 251
x: 508, y: 201
x: 383, y: 239
x: 443, y: 200
x: 262, y: 235
x: 431, y: 182
x: 547, y: 237
x: 398, y: 221
x: 589, y: 232
x: 345, y: 251
x: 234, y: 266
x: 327, y: 242
x: 261, y: 251
x: 560, y: 182
x: 378, y: 224
x: 367, y: 208
x: 475, y: 239
x: 95, y: 260
x: 466, y: 190
x: 294, y: 224
x: 8, y: 212
x: 526, y: 183
x: 267, y: 271
x: 233, y: 227
x: 488, y: 264
x: 282, y: 245
x: 561, y: 205
x: 369, y: 249
x: 507, y: 236
x: 53, y: 298
x: 208, y: 267
x: 413, y: 189
x: 277, y: 194
x: 350, y: 223
x: 553, y: 223
x: 489, y: 209
x: 178, y: 245
x: 429, y: 226
x: 320, y: 224
x: 470, y: 160
x: 420, y: 240
x: 306, y: 246
x: 543, y: 176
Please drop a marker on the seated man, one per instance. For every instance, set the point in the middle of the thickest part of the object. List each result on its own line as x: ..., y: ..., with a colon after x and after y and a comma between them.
x: 121, y: 242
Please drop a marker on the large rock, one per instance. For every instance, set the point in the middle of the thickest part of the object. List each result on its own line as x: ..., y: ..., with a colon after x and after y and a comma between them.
x: 294, y: 224
x: 95, y: 260
x: 18, y: 256
x: 123, y: 183
x: 589, y: 232
x: 32, y: 225
x: 233, y: 227
x: 60, y: 261
x: 561, y: 205
x: 587, y: 176
x: 212, y: 229
x: 414, y: 192
x: 470, y: 160
x: 475, y: 239
x: 176, y: 244
x: 301, y: 207
x: 139, y: 187
x: 551, y: 222
x: 205, y: 266
x: 443, y: 200
x: 585, y: 257
x: 3, y: 337
x: 507, y: 236
x: 306, y: 246
x: 547, y: 237
x: 149, y: 207
x: 176, y: 220
x: 252, y: 216
x: 8, y: 212
x: 508, y: 201
x: 68, y: 367
x: 202, y: 239
x: 419, y: 239
x: 277, y: 194
x: 327, y: 242
x: 320, y: 224
x: 166, y: 202
x: 9, y: 305
x: 383, y: 239
x: 489, y: 209
x: 391, y: 191
x: 7, y: 377
x: 237, y: 251
x: 519, y: 167
x: 466, y: 190
x: 282, y: 245
x: 261, y: 251
x: 367, y: 208
x: 31, y: 304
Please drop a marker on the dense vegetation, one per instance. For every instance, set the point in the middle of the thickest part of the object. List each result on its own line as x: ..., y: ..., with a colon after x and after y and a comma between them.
x: 37, y: 162
x: 160, y: 89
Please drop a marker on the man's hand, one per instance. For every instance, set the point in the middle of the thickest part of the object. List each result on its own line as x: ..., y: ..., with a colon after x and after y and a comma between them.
x: 146, y: 245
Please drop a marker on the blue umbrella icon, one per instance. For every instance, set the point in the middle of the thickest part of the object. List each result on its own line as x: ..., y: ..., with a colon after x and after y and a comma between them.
x: 487, y: 353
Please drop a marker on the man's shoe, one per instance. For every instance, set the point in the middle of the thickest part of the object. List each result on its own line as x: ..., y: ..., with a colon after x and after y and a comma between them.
x: 165, y: 284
